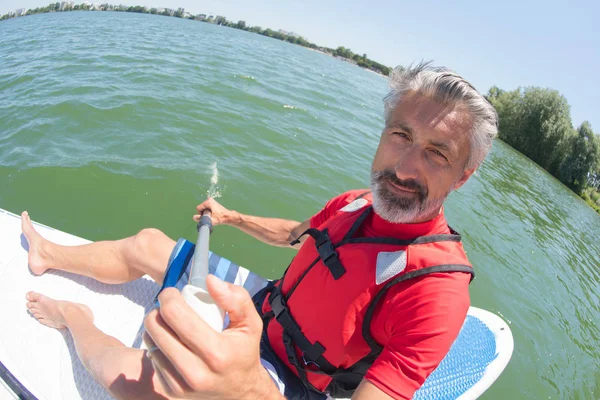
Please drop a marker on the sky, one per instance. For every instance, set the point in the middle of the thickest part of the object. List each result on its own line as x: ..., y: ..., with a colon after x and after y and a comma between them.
x: 509, y: 44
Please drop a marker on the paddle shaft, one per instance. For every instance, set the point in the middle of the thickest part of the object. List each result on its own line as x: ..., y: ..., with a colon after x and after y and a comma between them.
x: 199, y: 270
x: 195, y: 292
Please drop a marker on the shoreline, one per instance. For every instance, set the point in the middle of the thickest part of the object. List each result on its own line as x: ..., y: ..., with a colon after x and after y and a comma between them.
x: 292, y: 38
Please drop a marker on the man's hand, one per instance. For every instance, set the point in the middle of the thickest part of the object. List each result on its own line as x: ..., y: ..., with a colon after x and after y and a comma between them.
x: 196, y: 362
x: 220, y: 215
x: 273, y: 231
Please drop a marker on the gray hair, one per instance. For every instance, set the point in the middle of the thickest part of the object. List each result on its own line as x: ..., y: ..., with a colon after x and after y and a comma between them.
x: 447, y: 87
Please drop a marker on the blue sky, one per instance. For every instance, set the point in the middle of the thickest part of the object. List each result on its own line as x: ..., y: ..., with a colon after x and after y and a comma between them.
x: 505, y: 43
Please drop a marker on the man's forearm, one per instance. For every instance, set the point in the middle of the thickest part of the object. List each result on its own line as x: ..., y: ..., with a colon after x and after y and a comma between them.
x: 273, y: 231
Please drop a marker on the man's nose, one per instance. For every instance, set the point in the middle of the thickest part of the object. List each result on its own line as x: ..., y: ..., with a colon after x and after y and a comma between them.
x: 408, y: 166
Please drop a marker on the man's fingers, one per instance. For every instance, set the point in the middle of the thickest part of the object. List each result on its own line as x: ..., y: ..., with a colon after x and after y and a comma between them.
x: 184, y: 324
x: 204, y: 205
x: 164, y: 340
x: 148, y: 342
x: 236, y: 301
x: 171, y: 379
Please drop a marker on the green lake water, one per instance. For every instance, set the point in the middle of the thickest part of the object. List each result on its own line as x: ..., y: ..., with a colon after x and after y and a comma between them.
x: 112, y: 122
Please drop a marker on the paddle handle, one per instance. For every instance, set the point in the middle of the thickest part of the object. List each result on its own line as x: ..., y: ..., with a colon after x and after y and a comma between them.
x: 204, y: 305
x: 199, y: 270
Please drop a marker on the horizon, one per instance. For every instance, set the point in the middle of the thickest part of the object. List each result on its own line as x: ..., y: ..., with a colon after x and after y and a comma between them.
x: 509, y: 50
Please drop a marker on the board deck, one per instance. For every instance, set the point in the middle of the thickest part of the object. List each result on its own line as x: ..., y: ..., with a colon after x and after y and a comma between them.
x: 37, y: 362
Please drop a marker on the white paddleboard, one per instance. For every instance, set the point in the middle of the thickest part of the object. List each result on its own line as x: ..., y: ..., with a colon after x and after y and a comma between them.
x: 37, y: 362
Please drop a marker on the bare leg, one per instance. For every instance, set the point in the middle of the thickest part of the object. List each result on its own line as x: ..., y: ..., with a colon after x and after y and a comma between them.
x: 125, y: 372
x: 109, y: 261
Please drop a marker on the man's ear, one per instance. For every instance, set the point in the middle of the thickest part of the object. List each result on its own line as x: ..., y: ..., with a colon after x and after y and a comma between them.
x: 464, y: 178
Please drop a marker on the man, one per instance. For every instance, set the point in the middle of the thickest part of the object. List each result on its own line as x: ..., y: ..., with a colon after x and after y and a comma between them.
x: 369, y: 306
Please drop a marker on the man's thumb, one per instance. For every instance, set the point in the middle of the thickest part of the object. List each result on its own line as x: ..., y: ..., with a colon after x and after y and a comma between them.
x: 236, y: 301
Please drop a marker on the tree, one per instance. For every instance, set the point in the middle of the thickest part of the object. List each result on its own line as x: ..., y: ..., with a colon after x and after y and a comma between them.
x: 582, y: 158
x: 494, y: 93
x: 343, y: 52
x: 536, y: 122
x: 241, y: 24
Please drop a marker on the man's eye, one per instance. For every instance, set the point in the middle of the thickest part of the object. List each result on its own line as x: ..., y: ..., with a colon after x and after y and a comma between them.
x: 439, y: 154
x: 401, y: 134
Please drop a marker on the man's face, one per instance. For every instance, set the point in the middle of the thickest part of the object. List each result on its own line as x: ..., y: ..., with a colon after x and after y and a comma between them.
x: 420, y: 159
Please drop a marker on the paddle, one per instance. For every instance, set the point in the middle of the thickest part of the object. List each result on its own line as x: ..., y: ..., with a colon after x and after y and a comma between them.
x: 199, y: 270
x: 195, y: 292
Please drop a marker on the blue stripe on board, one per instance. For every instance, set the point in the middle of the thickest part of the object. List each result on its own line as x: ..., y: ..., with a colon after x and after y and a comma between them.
x: 254, y: 283
x: 213, y: 261
x: 232, y: 273
x: 222, y: 268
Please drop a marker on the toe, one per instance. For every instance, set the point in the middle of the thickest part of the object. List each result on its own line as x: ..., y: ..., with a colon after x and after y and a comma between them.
x: 33, y: 296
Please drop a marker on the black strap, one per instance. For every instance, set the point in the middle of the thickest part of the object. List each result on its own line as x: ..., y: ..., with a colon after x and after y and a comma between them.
x: 352, y: 231
x: 306, y: 271
x: 288, y: 342
x: 446, y: 268
x: 354, y: 227
x: 326, y: 251
x: 293, y: 336
x: 282, y: 314
x: 363, y: 194
x: 346, y: 380
x: 401, y: 242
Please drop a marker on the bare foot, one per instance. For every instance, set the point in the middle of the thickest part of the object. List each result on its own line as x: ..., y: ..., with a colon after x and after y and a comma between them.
x: 53, y: 313
x: 38, y: 258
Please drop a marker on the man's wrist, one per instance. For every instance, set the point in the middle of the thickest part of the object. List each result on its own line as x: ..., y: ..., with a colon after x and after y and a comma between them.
x: 233, y: 218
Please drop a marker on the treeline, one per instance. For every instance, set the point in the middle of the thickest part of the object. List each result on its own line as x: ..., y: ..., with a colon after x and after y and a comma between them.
x: 341, y: 52
x: 537, y: 122
x: 361, y: 61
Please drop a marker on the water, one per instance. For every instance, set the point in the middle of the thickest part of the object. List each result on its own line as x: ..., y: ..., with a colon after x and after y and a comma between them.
x: 113, y: 122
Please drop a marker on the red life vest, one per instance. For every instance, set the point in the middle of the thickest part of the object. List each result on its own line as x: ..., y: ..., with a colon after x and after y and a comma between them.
x: 324, y: 336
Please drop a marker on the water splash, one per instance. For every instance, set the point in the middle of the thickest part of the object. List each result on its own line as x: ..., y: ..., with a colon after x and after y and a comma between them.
x: 245, y: 77
x: 214, y: 190
x: 294, y: 107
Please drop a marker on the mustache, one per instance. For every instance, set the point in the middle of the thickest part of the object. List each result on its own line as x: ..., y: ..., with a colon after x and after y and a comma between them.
x: 410, y: 184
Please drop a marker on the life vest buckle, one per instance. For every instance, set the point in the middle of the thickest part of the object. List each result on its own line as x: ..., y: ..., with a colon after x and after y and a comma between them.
x: 325, y: 249
x: 289, y: 349
x: 309, y: 362
x: 277, y: 303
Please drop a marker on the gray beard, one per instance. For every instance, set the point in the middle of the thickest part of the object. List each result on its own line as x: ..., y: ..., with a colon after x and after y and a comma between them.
x: 400, y: 210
